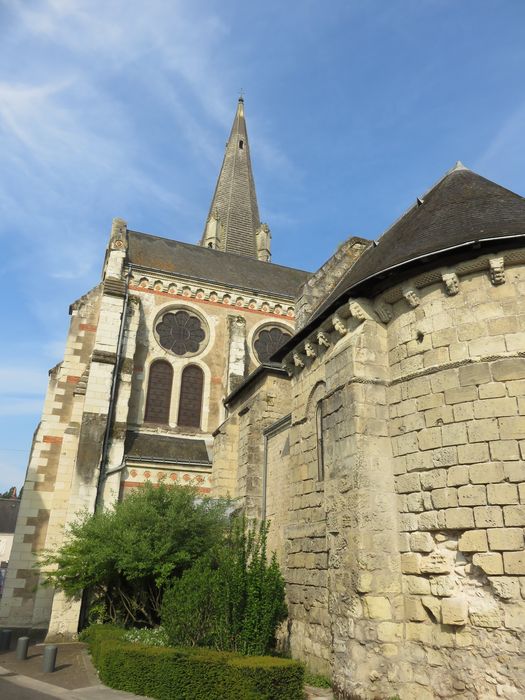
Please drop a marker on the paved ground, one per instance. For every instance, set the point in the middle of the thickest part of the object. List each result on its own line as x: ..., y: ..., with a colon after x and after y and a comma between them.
x: 74, y: 678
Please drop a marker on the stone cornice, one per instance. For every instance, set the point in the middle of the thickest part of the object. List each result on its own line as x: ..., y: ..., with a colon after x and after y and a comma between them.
x: 356, y: 311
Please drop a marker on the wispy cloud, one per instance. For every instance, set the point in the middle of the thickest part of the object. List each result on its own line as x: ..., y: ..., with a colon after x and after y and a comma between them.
x: 505, y: 154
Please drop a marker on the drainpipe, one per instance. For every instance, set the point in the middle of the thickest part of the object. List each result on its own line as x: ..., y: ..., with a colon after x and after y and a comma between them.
x: 114, y: 386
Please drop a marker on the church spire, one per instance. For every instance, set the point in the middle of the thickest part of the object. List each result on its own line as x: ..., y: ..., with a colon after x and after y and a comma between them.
x: 233, y: 223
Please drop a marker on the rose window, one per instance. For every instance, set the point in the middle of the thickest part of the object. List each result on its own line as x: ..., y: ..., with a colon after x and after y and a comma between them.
x: 268, y: 341
x: 181, y: 332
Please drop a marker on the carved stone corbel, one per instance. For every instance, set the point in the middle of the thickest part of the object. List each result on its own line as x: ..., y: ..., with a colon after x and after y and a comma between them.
x: 297, y: 360
x: 497, y: 270
x: 323, y: 339
x: 411, y: 297
x: 451, y: 282
x: 384, y: 311
x: 309, y: 349
x: 339, y: 324
x: 357, y: 310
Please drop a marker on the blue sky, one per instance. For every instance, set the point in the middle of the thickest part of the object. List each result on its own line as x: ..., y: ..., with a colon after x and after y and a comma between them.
x: 122, y: 108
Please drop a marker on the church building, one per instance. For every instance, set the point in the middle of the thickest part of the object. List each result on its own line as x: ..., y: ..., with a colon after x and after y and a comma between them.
x: 373, y: 411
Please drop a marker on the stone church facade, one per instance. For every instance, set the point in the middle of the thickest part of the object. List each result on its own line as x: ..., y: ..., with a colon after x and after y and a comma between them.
x: 374, y: 411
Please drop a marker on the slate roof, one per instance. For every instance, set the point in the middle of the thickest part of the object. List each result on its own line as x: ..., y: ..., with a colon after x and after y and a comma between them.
x: 209, y: 265
x: 462, y: 211
x: 8, y: 514
x: 234, y: 199
x: 144, y: 446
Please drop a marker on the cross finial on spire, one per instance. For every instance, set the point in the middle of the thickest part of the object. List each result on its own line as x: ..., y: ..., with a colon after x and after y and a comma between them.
x: 241, y: 95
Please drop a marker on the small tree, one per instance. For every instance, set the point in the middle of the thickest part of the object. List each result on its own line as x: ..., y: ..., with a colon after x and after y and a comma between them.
x: 231, y: 599
x: 126, y: 556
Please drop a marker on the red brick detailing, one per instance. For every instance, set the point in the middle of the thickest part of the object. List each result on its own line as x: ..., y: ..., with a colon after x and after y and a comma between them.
x: 87, y: 327
x: 133, y: 472
x: 137, y: 484
x: 186, y: 477
x: 52, y: 439
x: 72, y: 379
x: 174, y: 476
x: 138, y: 368
x: 170, y: 295
x: 147, y: 475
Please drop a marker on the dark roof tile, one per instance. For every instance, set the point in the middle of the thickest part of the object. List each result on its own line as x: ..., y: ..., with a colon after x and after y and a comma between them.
x: 209, y: 265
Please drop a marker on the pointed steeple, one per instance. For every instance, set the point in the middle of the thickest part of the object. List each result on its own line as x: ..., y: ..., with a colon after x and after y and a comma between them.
x: 233, y: 223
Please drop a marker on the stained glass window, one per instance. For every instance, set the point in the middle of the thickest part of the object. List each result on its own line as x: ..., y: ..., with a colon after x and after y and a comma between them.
x: 159, y: 393
x: 190, y: 402
x: 181, y: 332
x: 268, y: 341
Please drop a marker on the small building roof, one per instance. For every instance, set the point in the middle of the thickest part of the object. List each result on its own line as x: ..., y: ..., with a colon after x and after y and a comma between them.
x: 462, y: 211
x: 210, y: 265
x: 163, y: 448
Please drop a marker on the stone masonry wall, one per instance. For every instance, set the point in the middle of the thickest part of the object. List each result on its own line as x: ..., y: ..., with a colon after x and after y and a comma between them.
x: 457, y: 407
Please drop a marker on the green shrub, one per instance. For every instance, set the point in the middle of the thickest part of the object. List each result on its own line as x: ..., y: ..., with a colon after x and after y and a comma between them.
x: 317, y: 680
x: 126, y: 556
x: 151, y: 637
x: 232, y: 599
x: 190, y: 674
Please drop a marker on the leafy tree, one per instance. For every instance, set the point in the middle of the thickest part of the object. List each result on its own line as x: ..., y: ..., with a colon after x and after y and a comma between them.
x: 231, y: 599
x: 127, y: 555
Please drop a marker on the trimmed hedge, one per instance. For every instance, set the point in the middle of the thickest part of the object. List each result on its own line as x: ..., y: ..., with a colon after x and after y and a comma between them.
x: 168, y: 673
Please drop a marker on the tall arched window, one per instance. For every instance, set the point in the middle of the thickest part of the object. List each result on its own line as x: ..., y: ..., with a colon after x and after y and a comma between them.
x: 190, y: 401
x: 159, y: 393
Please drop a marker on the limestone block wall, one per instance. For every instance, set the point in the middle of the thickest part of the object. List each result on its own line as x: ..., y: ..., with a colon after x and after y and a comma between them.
x: 421, y: 506
x: 47, y: 488
x: 457, y: 421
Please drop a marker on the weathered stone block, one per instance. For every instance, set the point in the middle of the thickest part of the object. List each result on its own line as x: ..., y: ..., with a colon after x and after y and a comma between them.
x: 512, y: 428
x: 484, y: 614
x: 486, y: 473
x: 445, y: 457
x: 429, y: 438
x: 502, y: 494
x: 461, y: 394
x: 407, y: 483
x: 483, y: 429
x: 490, y: 562
x: 505, y: 587
x: 421, y: 542
x: 473, y: 541
x: 390, y: 632
x: 414, y: 610
x: 444, y: 498
x: 472, y: 495
x: 493, y: 390
x: 505, y: 450
x: 495, y: 408
x: 410, y: 563
x: 454, y: 434
x: 510, y: 368
x: 505, y: 539
x: 457, y: 476
x: 514, y: 516
x: 417, y: 585
x: 515, y: 617
x: 436, y: 563
x: 442, y: 586
x: 488, y: 516
x: 478, y: 373
x: 459, y: 518
x: 454, y: 611
x: 377, y: 608
x: 470, y: 454
x: 434, y: 479
x: 431, y: 520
